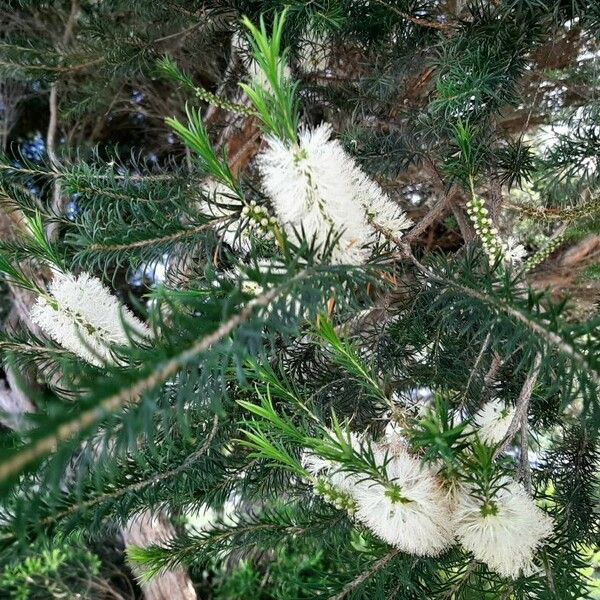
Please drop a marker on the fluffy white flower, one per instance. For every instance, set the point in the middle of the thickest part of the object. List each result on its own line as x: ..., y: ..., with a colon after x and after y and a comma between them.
x: 381, y: 212
x: 493, y: 421
x: 317, y: 187
x: 394, y: 440
x: 414, y: 515
x: 84, y: 317
x: 504, y: 533
x: 515, y: 252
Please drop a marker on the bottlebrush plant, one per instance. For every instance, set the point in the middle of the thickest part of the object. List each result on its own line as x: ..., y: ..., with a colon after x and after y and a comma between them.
x: 385, y: 420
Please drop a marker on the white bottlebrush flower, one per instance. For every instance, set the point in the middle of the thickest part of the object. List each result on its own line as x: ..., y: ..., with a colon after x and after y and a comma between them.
x: 414, y: 514
x: 515, y: 252
x: 83, y: 316
x: 394, y: 440
x: 492, y: 421
x: 317, y: 187
x: 505, y: 532
x: 382, y: 213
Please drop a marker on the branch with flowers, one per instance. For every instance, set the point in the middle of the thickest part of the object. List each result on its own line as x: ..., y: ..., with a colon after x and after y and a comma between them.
x: 379, y: 407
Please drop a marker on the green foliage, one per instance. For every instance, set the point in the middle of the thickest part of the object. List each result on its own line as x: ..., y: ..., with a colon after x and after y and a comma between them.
x: 53, y: 573
x: 264, y: 354
x: 276, y: 98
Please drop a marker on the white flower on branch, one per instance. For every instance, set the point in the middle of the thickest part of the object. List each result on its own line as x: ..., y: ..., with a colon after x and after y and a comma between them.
x: 412, y: 513
x: 504, y: 532
x: 82, y: 315
x: 492, y: 421
x: 317, y: 187
x: 515, y: 252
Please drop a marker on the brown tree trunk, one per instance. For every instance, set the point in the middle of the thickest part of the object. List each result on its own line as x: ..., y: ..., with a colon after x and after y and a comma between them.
x: 145, y: 530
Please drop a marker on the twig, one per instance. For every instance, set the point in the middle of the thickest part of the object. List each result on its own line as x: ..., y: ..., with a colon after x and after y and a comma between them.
x: 493, y: 370
x: 53, y: 122
x: 484, y: 348
x: 525, y: 468
x: 382, y: 562
x: 416, y: 20
x: 161, y: 240
x: 522, y: 405
x: 434, y: 213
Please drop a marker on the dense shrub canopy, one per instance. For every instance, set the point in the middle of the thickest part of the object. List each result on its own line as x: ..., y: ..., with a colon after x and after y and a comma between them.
x: 300, y: 299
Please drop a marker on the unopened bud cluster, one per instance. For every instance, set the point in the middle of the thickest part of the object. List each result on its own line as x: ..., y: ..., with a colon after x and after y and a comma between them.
x: 334, y: 496
x: 543, y: 253
x: 493, y: 245
x: 259, y: 218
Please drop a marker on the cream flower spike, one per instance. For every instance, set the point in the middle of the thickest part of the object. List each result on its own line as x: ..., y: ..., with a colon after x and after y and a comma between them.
x: 505, y: 533
x: 492, y: 422
x: 82, y: 315
x: 414, y: 515
x: 316, y: 186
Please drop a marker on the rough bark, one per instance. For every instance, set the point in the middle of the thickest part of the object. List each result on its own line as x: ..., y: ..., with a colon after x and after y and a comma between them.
x: 145, y: 530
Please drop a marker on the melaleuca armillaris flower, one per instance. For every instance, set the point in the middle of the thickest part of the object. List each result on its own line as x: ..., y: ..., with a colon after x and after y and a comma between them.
x: 492, y: 244
x: 503, y: 532
x: 492, y: 421
x: 411, y: 512
x: 515, y: 251
x: 317, y: 187
x: 82, y: 315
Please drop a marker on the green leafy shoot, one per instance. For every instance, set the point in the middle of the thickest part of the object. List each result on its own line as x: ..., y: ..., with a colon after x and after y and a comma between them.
x: 275, y: 100
x: 336, y: 445
x: 346, y: 357
x: 45, y: 249
x: 16, y: 277
x: 195, y: 137
x: 435, y: 434
x: 167, y: 67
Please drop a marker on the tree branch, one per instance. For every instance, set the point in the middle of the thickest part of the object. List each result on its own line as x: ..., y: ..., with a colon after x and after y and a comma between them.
x: 380, y: 564
x: 522, y: 405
